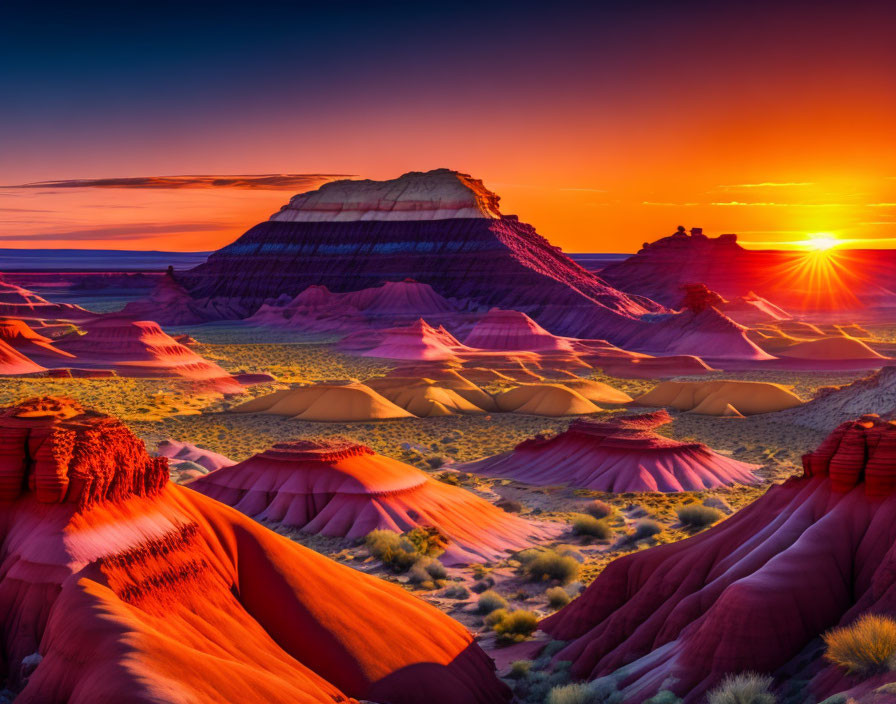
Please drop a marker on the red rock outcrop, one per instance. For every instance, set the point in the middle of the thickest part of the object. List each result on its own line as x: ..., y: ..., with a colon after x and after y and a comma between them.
x: 344, y: 489
x: 18, y: 302
x: 14, y: 362
x: 756, y: 591
x: 122, y: 587
x: 19, y: 335
x: 142, y: 348
x: 621, y: 455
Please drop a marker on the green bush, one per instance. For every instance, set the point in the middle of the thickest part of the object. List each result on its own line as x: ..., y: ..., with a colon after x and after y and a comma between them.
x: 591, y: 527
x: 513, y: 626
x: 392, y: 549
x: 646, y: 528
x: 698, y: 516
x: 578, y: 693
x: 548, y: 565
x: 489, y: 601
x: 745, y: 688
x: 599, y: 509
x: 520, y: 669
x: 867, y: 646
x: 557, y: 597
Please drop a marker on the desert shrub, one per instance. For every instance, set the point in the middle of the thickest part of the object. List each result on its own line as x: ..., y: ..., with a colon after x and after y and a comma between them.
x: 866, y: 646
x: 717, y: 502
x: 646, y: 528
x: 489, y: 601
x: 663, y: 697
x: 578, y: 693
x: 513, y: 626
x: 509, y: 506
x: 427, y: 540
x: 449, y: 478
x: 426, y: 572
x: 519, y: 669
x: 436, y: 570
x: 599, y: 509
x: 557, y: 597
x: 548, y: 564
x: 745, y: 688
x: 392, y: 549
x: 591, y: 527
x: 698, y: 516
x: 456, y: 591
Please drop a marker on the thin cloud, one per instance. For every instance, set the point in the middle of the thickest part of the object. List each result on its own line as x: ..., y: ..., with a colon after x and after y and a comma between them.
x: 767, y: 204
x: 270, y: 182
x: 882, y: 205
x: 670, y: 205
x: 768, y: 184
x: 134, y: 231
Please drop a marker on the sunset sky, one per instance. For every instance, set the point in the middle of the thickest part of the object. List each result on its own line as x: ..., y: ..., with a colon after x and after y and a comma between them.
x: 603, y: 127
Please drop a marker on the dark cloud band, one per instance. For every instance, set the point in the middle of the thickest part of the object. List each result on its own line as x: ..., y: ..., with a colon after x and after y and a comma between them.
x: 275, y: 182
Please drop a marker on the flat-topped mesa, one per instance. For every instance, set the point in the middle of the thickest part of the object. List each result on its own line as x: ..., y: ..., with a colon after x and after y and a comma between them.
x: 54, y: 448
x: 858, y: 451
x: 683, y: 241
x: 442, y: 228
x: 435, y: 195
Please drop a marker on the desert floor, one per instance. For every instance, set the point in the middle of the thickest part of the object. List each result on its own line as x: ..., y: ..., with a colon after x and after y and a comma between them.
x: 156, y: 409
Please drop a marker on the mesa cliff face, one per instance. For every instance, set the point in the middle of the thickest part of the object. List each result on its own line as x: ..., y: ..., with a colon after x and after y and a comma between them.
x: 442, y: 228
x: 118, y: 586
x: 756, y: 591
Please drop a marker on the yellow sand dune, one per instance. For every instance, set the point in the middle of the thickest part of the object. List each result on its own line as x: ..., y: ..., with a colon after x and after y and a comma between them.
x: 428, y: 397
x: 545, y: 400
x: 332, y: 403
x: 831, y: 348
x: 717, y: 398
x: 597, y: 392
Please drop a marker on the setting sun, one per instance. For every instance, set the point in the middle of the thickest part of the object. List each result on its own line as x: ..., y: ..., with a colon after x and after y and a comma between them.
x: 821, y: 241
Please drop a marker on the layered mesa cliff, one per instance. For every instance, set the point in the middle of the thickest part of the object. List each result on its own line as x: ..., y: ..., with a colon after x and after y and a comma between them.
x: 442, y: 228
x: 755, y: 592
x: 118, y: 586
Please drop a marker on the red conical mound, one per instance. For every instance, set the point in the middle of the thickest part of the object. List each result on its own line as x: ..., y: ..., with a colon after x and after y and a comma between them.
x: 620, y: 455
x: 752, y: 592
x: 346, y: 490
x: 513, y: 330
x: 142, y: 348
x: 418, y: 342
x: 123, y: 587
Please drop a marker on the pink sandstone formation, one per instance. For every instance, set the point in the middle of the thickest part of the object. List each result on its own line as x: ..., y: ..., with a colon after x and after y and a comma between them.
x: 418, y: 341
x: 621, y: 455
x: 119, y: 586
x: 317, y: 309
x: 185, y: 452
x: 512, y: 330
x: 343, y: 489
x: 754, y: 592
x: 142, y: 348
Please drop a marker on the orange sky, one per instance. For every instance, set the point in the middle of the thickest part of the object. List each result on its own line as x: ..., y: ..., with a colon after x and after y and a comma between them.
x: 770, y: 120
